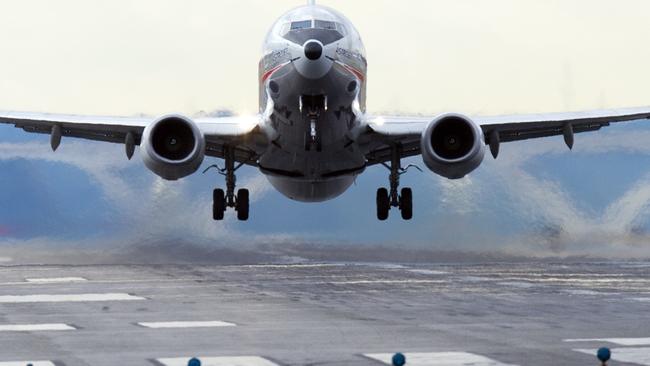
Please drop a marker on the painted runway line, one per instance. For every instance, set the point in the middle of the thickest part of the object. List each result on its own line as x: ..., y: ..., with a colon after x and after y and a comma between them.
x: 118, y: 281
x: 10, y: 299
x: 619, y: 341
x: 637, y: 356
x: 56, y: 280
x: 34, y: 327
x: 23, y: 363
x: 641, y: 299
x: 218, y: 361
x: 186, y: 324
x: 384, y: 282
x: 439, y: 359
x: 428, y: 272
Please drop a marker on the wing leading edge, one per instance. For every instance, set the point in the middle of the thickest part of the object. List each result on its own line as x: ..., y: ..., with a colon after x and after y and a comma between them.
x: 218, y: 131
x: 384, y: 131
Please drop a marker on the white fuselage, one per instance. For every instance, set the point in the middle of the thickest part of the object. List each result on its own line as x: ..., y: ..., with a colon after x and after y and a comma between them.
x: 312, y: 90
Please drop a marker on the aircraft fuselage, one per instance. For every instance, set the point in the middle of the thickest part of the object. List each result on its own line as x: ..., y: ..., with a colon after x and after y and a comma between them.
x: 313, y: 89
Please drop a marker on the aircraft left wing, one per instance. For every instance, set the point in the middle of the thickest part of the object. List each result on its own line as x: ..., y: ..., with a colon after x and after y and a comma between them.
x: 381, y: 132
x: 218, y: 131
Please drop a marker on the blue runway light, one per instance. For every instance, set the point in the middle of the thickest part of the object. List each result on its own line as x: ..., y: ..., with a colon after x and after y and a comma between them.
x: 604, y: 354
x: 194, y: 362
x: 399, y: 360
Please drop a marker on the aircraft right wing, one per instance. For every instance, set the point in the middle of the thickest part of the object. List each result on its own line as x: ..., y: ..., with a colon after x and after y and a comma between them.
x: 384, y: 131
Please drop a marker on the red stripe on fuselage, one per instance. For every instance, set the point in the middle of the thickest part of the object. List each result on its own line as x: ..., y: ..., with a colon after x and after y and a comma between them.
x: 351, y: 69
x: 268, y: 74
x: 356, y: 72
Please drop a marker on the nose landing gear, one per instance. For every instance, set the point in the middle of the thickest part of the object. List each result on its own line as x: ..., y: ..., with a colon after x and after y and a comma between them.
x: 312, y: 106
x: 387, y: 199
x: 222, y: 200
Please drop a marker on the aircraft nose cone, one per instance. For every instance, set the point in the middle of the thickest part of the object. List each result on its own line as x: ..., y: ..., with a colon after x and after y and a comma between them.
x: 313, y: 50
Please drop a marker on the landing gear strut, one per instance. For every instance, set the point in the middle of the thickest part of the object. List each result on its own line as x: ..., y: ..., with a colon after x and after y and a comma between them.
x: 222, y: 200
x: 312, y: 106
x: 387, y: 199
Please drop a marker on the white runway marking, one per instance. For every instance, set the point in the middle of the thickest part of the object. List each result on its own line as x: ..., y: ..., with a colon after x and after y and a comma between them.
x: 9, y: 299
x: 638, y: 356
x: 218, y: 361
x: 438, y: 359
x: 619, y: 341
x: 56, y: 280
x: 23, y: 363
x: 203, y: 324
x: 641, y: 299
x: 34, y: 327
x: 427, y: 272
x: 382, y: 282
x: 283, y: 266
x: 119, y: 281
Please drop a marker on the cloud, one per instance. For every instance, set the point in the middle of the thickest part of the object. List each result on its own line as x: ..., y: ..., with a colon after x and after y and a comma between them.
x: 150, y: 208
x: 460, y: 195
x: 510, y: 204
x: 564, y: 225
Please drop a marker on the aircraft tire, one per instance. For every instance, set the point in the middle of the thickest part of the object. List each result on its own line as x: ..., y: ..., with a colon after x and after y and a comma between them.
x: 243, y: 204
x: 218, y: 204
x: 406, y: 203
x: 383, y: 204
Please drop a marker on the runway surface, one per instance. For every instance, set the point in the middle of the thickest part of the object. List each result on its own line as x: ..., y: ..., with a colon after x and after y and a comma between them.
x: 325, y: 314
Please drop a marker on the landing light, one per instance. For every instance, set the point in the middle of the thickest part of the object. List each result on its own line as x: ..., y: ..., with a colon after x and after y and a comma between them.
x: 247, y: 121
x: 379, y: 121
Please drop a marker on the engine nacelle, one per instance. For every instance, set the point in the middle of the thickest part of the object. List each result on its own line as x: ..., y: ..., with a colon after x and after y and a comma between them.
x: 173, y: 147
x: 453, y: 146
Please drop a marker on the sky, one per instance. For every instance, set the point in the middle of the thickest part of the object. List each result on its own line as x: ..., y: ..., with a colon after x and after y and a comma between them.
x: 425, y: 57
x: 428, y: 56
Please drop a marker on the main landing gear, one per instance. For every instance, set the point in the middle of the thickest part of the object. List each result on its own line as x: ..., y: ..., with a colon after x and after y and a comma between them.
x: 387, y: 199
x: 222, y: 200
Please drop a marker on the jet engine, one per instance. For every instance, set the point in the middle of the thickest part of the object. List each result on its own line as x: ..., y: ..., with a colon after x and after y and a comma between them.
x: 173, y: 147
x: 453, y: 146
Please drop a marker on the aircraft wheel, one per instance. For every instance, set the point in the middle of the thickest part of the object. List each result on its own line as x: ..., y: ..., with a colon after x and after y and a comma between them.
x: 406, y: 203
x: 218, y: 204
x: 243, y: 204
x: 383, y: 204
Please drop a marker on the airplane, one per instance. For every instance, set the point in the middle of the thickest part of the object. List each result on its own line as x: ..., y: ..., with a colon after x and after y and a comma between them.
x: 313, y: 135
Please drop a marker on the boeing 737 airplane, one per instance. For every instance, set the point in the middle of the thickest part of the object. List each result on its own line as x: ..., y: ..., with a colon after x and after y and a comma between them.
x: 313, y: 134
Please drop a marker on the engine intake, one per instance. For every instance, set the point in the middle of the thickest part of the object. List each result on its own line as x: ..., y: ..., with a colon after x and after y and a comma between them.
x: 453, y: 146
x: 173, y: 147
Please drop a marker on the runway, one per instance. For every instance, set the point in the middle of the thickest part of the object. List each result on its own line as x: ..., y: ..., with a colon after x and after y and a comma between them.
x: 325, y: 314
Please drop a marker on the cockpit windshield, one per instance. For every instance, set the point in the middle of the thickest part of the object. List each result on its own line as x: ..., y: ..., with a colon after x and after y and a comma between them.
x: 315, y: 24
x: 326, y: 25
x: 300, y: 31
x: 303, y: 24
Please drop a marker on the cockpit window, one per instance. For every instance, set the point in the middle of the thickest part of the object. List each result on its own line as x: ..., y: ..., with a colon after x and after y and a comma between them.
x: 315, y: 24
x: 323, y: 24
x: 324, y: 30
x: 305, y: 24
x: 341, y: 28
